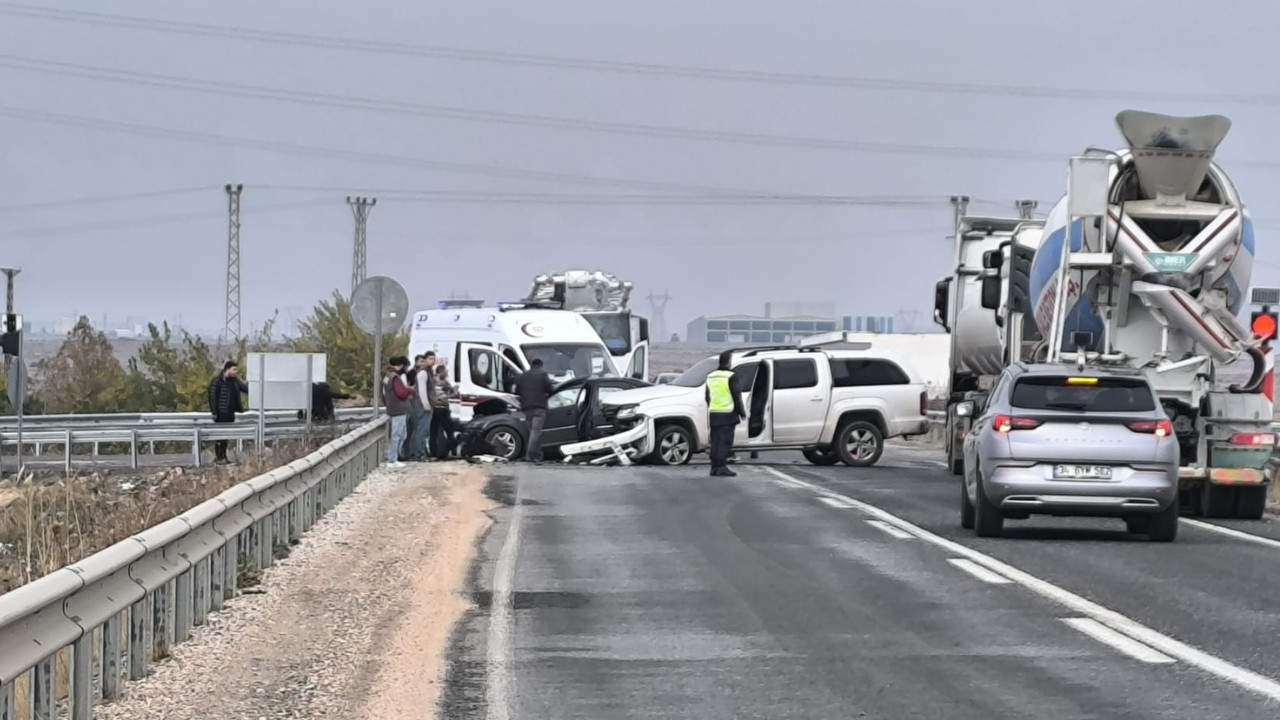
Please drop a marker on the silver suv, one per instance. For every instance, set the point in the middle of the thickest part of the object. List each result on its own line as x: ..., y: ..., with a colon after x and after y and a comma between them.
x: 1055, y: 440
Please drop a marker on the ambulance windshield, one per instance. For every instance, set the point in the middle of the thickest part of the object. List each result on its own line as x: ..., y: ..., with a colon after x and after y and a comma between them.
x: 565, y: 361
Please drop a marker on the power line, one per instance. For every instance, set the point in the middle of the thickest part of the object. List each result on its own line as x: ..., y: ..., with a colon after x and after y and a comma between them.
x: 504, y: 118
x: 612, y: 66
x: 104, y: 199
x: 130, y: 223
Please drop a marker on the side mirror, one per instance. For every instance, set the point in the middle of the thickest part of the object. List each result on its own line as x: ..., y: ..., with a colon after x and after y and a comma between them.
x: 991, y: 292
x: 993, y: 259
x: 965, y: 409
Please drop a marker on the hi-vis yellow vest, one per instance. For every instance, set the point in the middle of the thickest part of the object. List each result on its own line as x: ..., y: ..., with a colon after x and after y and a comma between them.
x: 718, y: 385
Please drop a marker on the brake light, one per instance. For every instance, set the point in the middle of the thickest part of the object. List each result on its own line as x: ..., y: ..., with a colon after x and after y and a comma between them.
x: 924, y: 403
x: 1253, y: 439
x: 1159, y: 428
x: 1006, y: 423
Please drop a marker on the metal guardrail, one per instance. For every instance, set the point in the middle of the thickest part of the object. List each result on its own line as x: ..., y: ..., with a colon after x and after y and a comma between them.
x: 192, y: 435
x: 161, y: 418
x: 71, y: 637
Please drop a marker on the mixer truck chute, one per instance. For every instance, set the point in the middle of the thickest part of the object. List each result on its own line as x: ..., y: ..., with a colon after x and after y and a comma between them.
x: 1155, y: 266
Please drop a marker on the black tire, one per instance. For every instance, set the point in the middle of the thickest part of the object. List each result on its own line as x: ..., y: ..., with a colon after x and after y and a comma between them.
x: 966, y: 508
x: 1251, y: 502
x: 818, y: 456
x: 667, y: 444
x: 1217, y: 501
x: 957, y: 466
x: 1163, y: 525
x: 1138, y: 524
x: 867, y: 439
x: 988, y: 520
x: 504, y: 442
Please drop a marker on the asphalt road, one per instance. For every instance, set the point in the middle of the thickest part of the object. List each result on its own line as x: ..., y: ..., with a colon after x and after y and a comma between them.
x: 800, y: 592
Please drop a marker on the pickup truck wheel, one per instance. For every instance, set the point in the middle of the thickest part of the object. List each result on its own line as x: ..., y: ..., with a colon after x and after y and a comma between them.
x: 1164, y: 524
x: 672, y: 446
x: 858, y: 443
x: 818, y: 456
x: 505, y: 443
x: 966, y: 507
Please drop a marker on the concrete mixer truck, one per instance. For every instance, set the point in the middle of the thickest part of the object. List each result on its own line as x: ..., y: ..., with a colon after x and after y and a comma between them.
x: 1156, y: 268
x: 604, y: 301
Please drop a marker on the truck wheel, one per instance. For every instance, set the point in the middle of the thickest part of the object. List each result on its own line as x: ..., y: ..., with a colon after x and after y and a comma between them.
x: 1164, y: 525
x: 1251, y: 502
x: 858, y: 443
x: 988, y: 521
x: 1217, y: 501
x: 672, y: 445
x: 966, y: 508
x: 818, y: 456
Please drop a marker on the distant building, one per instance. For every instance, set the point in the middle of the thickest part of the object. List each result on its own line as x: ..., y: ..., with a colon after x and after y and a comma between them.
x: 742, y: 329
x: 869, y: 323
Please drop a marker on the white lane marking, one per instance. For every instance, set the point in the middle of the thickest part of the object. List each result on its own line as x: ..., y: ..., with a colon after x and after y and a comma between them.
x: 977, y: 570
x: 1123, y: 643
x: 1212, y: 664
x: 498, y: 654
x: 1232, y: 532
x: 788, y: 482
x: 835, y: 503
x: 886, y: 527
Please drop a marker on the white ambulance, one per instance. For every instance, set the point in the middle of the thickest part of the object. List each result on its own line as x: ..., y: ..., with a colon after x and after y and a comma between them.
x: 485, y: 348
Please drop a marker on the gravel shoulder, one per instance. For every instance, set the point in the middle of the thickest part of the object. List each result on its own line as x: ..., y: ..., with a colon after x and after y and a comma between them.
x: 353, y: 624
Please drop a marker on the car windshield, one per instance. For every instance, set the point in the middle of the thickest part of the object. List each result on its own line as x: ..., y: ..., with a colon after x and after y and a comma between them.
x: 614, y: 329
x: 1083, y: 394
x: 697, y: 375
x: 565, y: 361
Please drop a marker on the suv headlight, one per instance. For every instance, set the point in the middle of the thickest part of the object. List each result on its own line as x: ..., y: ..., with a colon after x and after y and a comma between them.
x: 628, y: 411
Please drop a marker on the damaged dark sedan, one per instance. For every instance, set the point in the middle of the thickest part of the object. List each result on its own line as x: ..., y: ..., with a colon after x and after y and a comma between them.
x: 573, y: 415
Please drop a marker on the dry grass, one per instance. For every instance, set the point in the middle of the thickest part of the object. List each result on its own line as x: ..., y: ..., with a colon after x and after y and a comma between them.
x: 48, y: 522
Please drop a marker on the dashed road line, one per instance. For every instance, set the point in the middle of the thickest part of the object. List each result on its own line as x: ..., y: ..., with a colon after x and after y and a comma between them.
x: 977, y: 570
x: 887, y: 528
x: 1232, y: 532
x: 1123, y: 625
x: 1122, y: 643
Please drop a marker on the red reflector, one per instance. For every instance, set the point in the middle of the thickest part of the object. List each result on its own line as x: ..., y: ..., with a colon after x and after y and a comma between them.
x: 1253, y: 439
x: 1005, y: 423
x: 1264, y: 326
x: 1159, y: 428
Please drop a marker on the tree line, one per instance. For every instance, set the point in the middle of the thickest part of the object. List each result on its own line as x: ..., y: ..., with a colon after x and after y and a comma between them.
x: 171, y: 370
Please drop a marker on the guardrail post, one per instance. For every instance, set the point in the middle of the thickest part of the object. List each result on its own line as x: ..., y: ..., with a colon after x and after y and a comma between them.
x: 82, y: 677
x: 139, y: 621
x: 182, y: 603
x: 110, y: 664
x: 195, y: 446
x: 67, y: 453
x: 200, y: 592
x: 230, y: 566
x: 43, y: 677
x: 133, y: 449
x: 161, y: 602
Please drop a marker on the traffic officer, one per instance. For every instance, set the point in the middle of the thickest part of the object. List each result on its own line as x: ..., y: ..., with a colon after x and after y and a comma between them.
x: 724, y: 402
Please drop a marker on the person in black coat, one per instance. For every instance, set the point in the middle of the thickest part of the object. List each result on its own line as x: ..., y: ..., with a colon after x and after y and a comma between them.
x: 226, y: 392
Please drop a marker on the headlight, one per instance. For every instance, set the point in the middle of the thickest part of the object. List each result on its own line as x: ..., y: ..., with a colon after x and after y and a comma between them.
x: 627, y: 411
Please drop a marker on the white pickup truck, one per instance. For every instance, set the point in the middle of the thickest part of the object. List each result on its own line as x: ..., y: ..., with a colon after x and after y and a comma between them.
x: 835, y: 405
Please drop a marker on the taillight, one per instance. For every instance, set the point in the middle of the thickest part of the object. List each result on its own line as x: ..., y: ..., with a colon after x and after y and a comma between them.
x: 1253, y: 439
x: 1006, y: 423
x: 1159, y: 428
x: 924, y: 403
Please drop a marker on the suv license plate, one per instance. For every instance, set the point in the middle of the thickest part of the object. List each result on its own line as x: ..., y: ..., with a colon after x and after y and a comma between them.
x: 1082, y: 472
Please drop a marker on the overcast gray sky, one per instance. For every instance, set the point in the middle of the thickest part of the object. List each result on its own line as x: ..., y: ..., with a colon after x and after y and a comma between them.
x: 73, y: 134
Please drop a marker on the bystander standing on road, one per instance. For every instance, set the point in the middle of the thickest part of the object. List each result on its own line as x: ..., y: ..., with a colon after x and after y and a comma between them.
x: 534, y: 387
x: 225, y: 400
x: 396, y: 393
x: 442, y: 416
x: 422, y: 419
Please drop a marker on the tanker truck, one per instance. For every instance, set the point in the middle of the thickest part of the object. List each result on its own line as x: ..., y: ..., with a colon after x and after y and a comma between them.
x: 604, y: 301
x: 1155, y: 268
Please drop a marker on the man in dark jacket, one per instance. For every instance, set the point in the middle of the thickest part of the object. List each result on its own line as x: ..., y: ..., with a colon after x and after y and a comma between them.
x: 724, y: 403
x: 225, y: 391
x: 534, y: 387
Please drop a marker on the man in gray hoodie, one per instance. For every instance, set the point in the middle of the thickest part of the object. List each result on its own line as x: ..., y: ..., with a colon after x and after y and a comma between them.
x: 397, y: 395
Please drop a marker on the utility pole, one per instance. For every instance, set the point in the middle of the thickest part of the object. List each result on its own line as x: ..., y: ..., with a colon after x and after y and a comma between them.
x: 231, y: 332
x: 658, y: 304
x: 9, y: 274
x: 360, y: 207
x: 1026, y: 209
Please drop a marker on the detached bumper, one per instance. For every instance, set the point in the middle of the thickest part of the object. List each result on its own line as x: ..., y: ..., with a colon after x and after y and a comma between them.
x: 638, y: 438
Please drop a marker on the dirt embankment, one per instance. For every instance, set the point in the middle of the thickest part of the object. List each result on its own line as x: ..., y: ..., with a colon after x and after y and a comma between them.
x: 353, y: 624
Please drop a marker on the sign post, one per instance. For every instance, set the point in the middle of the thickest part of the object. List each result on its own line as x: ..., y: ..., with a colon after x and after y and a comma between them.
x: 17, y: 390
